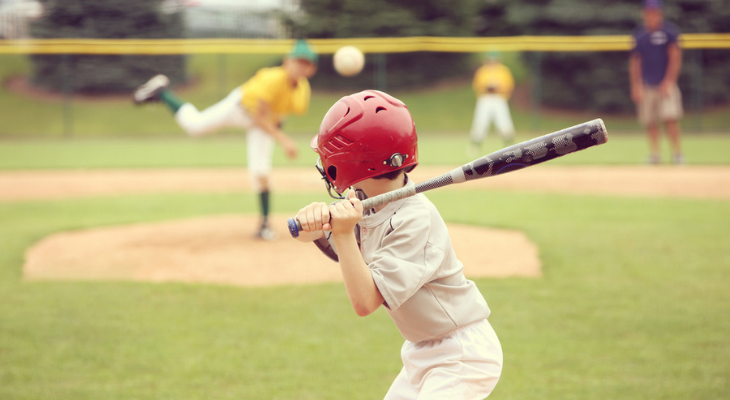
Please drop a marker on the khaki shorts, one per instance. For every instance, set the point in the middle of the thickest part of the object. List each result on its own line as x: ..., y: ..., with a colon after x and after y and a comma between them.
x: 655, y: 107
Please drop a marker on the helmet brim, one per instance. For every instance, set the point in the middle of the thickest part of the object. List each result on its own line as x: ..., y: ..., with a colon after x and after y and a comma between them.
x: 313, y: 143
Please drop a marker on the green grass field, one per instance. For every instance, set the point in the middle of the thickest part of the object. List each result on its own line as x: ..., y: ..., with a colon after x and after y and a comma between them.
x: 633, y: 303
x: 226, y: 151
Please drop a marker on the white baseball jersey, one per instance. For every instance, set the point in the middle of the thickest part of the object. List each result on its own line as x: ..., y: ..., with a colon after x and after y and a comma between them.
x: 408, y: 250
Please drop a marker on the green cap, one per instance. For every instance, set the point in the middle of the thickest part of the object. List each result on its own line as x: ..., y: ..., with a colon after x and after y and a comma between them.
x: 302, y: 51
x: 492, y: 55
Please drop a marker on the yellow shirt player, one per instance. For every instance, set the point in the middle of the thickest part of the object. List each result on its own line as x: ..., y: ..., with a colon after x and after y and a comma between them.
x: 258, y: 106
x: 493, y: 85
x: 493, y: 77
x: 272, y: 87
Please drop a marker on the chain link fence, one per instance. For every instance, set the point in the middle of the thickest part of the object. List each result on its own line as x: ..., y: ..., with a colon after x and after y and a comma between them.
x: 225, y: 32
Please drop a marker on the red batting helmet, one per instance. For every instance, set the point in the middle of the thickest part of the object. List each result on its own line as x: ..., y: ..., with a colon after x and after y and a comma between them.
x: 364, y: 135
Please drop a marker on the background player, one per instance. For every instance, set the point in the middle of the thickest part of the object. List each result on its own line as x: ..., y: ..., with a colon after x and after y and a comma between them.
x: 400, y: 255
x: 493, y: 84
x: 654, y: 67
x: 258, y: 106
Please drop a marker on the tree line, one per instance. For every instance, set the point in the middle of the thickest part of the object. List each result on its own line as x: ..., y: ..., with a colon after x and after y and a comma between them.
x: 581, y: 80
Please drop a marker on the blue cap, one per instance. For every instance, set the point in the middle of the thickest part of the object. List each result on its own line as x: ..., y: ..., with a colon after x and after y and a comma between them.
x: 653, y: 4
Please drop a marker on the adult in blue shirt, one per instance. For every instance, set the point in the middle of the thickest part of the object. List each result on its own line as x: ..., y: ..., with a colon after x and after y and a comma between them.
x: 654, y: 66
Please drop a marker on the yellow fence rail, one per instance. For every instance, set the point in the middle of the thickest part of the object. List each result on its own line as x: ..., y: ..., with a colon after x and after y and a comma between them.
x: 328, y: 46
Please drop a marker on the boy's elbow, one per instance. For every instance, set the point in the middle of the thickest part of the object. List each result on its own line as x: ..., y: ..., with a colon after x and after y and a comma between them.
x: 366, y: 303
x: 363, y: 310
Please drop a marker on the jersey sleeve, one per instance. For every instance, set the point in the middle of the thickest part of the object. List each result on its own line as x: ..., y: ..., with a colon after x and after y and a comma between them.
x: 261, y: 87
x: 300, y: 97
x: 508, y: 82
x: 406, y: 261
x: 672, y: 34
x: 476, y: 82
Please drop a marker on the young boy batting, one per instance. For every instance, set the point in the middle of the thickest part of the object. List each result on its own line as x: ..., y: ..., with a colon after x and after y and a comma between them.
x: 399, y: 255
x: 258, y: 106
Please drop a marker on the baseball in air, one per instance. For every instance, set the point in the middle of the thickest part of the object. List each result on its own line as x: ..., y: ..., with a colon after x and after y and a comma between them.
x: 348, y: 61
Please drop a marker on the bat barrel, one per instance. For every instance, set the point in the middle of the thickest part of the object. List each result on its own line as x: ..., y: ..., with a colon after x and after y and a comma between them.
x: 538, y: 150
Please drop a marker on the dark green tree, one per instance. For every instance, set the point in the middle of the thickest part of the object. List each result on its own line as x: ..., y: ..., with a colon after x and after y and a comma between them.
x: 705, y: 16
x: 493, y: 21
x: 105, y: 19
x: 383, y: 18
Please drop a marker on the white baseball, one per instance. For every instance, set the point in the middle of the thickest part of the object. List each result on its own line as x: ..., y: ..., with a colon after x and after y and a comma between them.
x: 348, y: 61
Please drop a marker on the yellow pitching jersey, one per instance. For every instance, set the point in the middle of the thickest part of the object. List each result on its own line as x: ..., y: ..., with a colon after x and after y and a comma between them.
x: 272, y: 86
x: 493, y: 78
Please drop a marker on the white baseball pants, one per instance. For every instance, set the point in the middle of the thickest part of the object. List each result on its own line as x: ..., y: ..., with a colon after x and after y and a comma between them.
x: 465, y: 365
x: 229, y: 113
x: 491, y: 107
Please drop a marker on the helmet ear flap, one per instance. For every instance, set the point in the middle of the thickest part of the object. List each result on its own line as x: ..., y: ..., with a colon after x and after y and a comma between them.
x: 332, y: 172
x: 329, y: 182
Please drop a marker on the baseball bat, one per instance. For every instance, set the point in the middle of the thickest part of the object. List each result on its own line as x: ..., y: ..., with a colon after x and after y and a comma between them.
x: 512, y: 158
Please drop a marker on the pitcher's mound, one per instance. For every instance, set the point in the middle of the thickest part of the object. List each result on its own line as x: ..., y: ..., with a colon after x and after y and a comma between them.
x: 223, y: 250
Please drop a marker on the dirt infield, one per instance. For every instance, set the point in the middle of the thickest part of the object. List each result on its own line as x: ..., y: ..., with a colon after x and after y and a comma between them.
x: 642, y: 181
x: 222, y: 250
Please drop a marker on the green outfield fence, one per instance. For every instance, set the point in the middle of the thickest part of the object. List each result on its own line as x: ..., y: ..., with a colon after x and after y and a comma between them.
x: 693, y: 45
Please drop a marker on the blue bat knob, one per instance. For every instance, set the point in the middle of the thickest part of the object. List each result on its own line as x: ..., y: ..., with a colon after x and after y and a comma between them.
x: 293, y: 227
